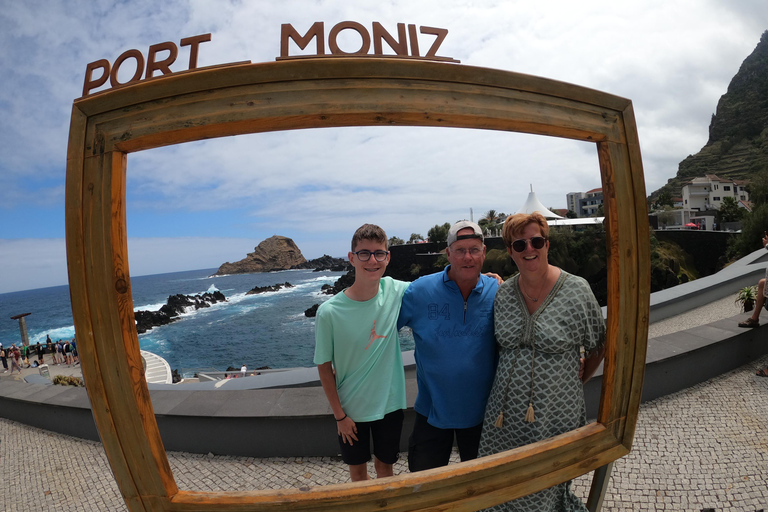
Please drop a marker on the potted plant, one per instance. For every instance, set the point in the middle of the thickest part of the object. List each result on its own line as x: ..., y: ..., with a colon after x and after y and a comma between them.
x: 746, y: 297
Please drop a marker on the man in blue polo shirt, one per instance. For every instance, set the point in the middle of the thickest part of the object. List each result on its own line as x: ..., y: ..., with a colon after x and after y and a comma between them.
x: 451, y: 315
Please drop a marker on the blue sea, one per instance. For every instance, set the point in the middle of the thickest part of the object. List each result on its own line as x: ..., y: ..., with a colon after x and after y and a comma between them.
x: 267, y: 329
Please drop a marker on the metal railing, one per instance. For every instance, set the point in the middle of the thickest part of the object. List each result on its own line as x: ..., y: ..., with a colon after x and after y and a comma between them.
x: 211, y: 374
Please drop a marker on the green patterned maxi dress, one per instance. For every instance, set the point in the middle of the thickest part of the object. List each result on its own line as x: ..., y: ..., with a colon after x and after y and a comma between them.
x: 539, y: 364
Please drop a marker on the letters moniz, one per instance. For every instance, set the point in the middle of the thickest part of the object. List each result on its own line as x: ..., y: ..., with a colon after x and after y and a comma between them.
x: 380, y: 34
x: 406, y: 40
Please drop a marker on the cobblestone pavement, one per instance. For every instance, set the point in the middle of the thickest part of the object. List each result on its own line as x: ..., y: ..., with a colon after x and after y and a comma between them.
x: 704, y: 447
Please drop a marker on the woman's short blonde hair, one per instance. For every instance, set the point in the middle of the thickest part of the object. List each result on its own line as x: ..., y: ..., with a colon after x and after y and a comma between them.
x: 515, y: 224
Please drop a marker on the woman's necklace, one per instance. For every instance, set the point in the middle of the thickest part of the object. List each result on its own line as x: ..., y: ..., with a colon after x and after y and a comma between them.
x: 538, y: 295
x: 529, y: 297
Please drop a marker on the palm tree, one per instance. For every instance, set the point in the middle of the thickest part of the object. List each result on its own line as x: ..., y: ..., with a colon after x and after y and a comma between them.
x: 491, y: 222
x: 491, y: 217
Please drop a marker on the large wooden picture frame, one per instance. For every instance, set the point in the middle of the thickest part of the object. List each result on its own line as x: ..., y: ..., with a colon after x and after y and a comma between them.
x: 313, y: 93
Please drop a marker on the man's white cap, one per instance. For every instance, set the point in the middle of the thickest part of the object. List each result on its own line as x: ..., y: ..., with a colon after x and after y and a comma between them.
x: 464, y: 224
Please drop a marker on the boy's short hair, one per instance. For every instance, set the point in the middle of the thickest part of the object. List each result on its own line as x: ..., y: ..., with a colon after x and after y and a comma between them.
x: 369, y: 232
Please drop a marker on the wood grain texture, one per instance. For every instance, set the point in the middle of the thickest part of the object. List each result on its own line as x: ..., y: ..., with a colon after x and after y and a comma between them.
x: 314, y: 93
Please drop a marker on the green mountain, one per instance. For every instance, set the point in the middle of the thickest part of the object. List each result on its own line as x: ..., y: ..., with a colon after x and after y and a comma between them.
x: 738, y: 133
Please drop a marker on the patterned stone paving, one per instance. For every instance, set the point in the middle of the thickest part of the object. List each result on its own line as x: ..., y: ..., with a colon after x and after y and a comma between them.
x: 702, y: 448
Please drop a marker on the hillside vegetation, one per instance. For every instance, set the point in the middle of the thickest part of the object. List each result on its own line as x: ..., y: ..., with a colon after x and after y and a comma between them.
x: 738, y: 133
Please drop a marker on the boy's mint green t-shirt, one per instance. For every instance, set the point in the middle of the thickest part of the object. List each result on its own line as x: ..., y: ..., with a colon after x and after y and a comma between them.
x: 360, y: 338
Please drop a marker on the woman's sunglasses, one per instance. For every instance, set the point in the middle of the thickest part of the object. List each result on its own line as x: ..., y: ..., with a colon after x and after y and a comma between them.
x: 537, y: 242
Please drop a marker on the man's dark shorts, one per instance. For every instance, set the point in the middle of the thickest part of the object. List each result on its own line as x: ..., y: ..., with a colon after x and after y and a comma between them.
x: 386, y: 440
x: 430, y: 447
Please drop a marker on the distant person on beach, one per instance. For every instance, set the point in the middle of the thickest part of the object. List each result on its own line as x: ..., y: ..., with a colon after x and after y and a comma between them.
x: 754, y: 320
x: 451, y: 315
x: 760, y: 302
x: 360, y: 364
x: 68, y: 353
x: 60, y: 352
x: 51, y: 350
x: 39, y: 350
x: 243, y: 369
x: 15, y: 358
x: 25, y: 355
x: 3, y: 358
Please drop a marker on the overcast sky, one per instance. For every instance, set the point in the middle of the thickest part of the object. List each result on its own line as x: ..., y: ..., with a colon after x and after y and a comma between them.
x: 198, y: 205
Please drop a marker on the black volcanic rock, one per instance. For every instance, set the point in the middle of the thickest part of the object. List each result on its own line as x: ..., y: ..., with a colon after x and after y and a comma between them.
x: 342, y: 282
x: 174, y: 306
x: 274, y: 253
x: 325, y: 262
x: 272, y: 288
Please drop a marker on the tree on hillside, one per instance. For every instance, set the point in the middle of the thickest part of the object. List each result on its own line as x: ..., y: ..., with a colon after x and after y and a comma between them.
x: 396, y: 241
x: 663, y: 199
x: 753, y: 227
x: 758, y: 187
x: 415, y: 237
x: 729, y: 211
x: 439, y: 233
x: 755, y: 224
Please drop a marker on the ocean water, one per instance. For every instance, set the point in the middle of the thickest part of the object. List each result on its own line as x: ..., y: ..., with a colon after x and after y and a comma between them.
x: 267, y: 329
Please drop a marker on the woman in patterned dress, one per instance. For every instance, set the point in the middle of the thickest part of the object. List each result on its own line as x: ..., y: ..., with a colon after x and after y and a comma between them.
x: 544, y: 317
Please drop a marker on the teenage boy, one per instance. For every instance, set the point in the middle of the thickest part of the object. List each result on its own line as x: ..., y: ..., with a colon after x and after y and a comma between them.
x: 451, y: 314
x: 359, y: 360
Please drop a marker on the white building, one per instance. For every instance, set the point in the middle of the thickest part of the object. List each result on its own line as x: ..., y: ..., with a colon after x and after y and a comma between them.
x: 572, y: 201
x: 707, y: 193
x: 585, y: 204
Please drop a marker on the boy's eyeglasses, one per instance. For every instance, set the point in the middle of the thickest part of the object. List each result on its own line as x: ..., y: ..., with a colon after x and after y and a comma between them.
x: 366, y: 255
x: 537, y: 242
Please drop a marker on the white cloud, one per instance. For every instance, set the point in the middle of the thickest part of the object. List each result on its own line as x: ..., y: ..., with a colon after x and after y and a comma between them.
x: 672, y: 59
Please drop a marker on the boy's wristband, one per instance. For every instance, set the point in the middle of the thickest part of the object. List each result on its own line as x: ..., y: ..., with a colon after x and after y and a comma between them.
x: 342, y: 419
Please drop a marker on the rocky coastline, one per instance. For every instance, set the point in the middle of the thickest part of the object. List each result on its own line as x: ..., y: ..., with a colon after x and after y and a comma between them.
x: 325, y: 263
x: 174, y: 306
x: 272, y: 288
x: 342, y: 282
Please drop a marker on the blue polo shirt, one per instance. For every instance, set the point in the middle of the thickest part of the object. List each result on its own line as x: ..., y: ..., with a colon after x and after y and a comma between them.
x: 455, y: 348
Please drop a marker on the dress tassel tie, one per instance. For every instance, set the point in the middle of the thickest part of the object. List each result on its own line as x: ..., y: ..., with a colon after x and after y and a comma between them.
x: 499, y: 421
x: 529, y: 417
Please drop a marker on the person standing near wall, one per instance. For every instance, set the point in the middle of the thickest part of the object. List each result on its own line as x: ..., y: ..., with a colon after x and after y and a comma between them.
x: 451, y: 315
x: 15, y: 358
x: 358, y: 358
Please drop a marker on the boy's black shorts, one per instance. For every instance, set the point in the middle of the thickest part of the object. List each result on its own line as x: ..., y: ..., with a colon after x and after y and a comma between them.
x: 386, y: 440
